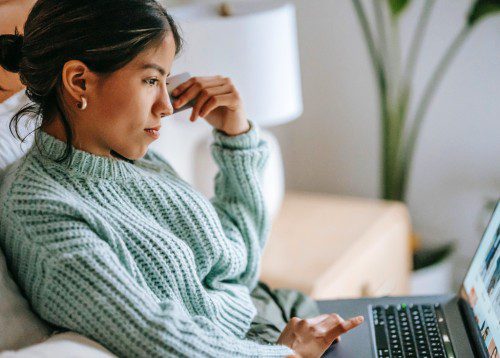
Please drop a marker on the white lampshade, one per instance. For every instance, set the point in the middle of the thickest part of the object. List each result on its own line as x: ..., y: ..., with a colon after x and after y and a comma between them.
x: 256, y: 47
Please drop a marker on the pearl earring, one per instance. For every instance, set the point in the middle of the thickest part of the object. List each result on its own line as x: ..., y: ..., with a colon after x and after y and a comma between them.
x: 83, y: 104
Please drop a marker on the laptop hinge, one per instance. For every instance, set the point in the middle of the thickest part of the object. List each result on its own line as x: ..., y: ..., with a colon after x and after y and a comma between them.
x: 476, y: 341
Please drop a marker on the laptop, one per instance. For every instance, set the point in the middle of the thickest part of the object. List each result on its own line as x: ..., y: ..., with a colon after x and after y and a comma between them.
x: 466, y: 324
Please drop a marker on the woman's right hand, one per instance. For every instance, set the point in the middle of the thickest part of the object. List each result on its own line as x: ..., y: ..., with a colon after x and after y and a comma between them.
x: 311, y: 337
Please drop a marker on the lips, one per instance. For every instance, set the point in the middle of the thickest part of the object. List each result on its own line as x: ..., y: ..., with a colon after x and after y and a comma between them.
x: 153, y: 132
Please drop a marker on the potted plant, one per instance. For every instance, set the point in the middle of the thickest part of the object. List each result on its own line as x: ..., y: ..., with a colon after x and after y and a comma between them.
x: 395, y: 92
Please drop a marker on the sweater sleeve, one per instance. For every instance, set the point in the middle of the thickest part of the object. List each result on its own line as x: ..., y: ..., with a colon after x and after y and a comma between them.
x: 81, y: 284
x: 238, y: 198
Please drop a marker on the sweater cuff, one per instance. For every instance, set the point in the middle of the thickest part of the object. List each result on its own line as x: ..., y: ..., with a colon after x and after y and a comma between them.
x: 247, y: 140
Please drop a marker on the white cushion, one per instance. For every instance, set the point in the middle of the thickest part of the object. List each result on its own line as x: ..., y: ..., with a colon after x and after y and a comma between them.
x: 11, y: 148
x: 19, y: 326
x: 67, y: 344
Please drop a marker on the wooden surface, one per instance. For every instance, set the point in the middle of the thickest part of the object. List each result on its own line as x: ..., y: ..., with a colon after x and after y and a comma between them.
x: 337, y: 247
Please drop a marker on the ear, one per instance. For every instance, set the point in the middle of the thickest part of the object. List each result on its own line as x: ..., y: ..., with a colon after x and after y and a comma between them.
x: 77, y: 79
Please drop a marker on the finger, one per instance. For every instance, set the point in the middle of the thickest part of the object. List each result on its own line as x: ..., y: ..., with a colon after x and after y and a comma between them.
x: 228, y: 100
x: 211, y: 81
x: 185, y: 85
x: 204, y: 96
x: 332, y: 321
x: 193, y: 91
x: 317, y: 319
x: 345, y: 326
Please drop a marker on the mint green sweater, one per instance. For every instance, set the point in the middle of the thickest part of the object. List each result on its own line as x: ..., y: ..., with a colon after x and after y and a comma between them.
x: 132, y: 256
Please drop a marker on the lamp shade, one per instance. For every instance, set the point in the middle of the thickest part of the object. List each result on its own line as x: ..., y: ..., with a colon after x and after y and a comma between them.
x: 256, y: 47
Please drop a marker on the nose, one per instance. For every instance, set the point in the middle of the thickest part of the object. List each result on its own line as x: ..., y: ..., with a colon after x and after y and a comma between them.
x: 168, y: 112
x: 164, y: 107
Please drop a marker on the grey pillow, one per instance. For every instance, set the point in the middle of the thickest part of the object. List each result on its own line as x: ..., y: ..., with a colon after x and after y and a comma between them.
x: 19, y: 326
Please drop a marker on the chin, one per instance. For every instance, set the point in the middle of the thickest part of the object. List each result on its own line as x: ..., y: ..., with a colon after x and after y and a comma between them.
x: 134, y: 148
x: 140, y: 155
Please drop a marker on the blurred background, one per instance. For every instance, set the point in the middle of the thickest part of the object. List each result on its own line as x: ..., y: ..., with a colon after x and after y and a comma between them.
x: 334, y: 145
x: 454, y: 175
x: 455, y: 172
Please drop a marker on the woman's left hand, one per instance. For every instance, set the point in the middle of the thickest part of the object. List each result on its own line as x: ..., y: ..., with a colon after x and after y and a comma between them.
x: 217, y: 100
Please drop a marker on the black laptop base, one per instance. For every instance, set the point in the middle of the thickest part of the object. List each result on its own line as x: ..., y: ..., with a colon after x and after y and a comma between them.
x: 361, y: 341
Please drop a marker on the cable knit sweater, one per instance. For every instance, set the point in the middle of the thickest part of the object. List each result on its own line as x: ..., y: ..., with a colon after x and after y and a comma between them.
x: 130, y: 255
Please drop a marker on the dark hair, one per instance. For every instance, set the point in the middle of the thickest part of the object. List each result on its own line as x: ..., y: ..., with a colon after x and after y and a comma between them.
x: 103, y: 34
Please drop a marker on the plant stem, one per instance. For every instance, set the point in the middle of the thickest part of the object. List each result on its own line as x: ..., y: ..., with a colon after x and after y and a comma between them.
x: 396, y: 124
x: 386, y: 115
x: 418, y: 36
x: 423, y: 105
x: 395, y: 55
x: 382, y: 85
x: 380, y: 26
x: 367, y: 34
x: 416, y: 43
x: 405, y: 87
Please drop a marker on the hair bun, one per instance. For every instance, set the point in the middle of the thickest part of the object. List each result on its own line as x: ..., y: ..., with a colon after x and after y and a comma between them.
x: 11, y: 51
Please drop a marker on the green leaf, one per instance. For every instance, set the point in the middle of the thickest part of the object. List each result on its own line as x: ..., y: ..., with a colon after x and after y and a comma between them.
x: 397, y: 6
x: 482, y: 8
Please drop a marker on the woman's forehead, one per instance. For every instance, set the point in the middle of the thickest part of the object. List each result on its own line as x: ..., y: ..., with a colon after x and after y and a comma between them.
x: 159, y: 57
x: 160, y: 48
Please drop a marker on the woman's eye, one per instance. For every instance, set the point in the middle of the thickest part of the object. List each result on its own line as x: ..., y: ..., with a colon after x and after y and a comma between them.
x: 151, y: 81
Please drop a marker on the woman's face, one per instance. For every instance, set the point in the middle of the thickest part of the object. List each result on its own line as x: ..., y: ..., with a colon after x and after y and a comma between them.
x: 124, y: 103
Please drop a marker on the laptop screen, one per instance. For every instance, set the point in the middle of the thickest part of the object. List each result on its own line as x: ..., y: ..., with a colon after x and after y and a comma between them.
x: 482, y: 285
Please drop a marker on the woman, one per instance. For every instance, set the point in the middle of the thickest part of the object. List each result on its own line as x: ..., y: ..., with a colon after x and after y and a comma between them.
x: 101, y: 234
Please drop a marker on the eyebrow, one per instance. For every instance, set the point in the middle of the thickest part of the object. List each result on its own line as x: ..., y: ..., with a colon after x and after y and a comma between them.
x: 154, y: 66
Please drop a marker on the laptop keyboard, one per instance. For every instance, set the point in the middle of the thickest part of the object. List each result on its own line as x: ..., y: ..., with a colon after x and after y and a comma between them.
x: 411, y: 331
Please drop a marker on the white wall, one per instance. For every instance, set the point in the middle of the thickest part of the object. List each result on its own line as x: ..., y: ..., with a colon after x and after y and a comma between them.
x: 334, y: 147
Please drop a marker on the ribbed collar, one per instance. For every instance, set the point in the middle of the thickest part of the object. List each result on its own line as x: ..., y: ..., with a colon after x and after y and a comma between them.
x: 88, y: 165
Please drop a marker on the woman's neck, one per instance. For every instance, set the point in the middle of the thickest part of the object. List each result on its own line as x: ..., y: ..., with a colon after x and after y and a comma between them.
x: 56, y: 129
